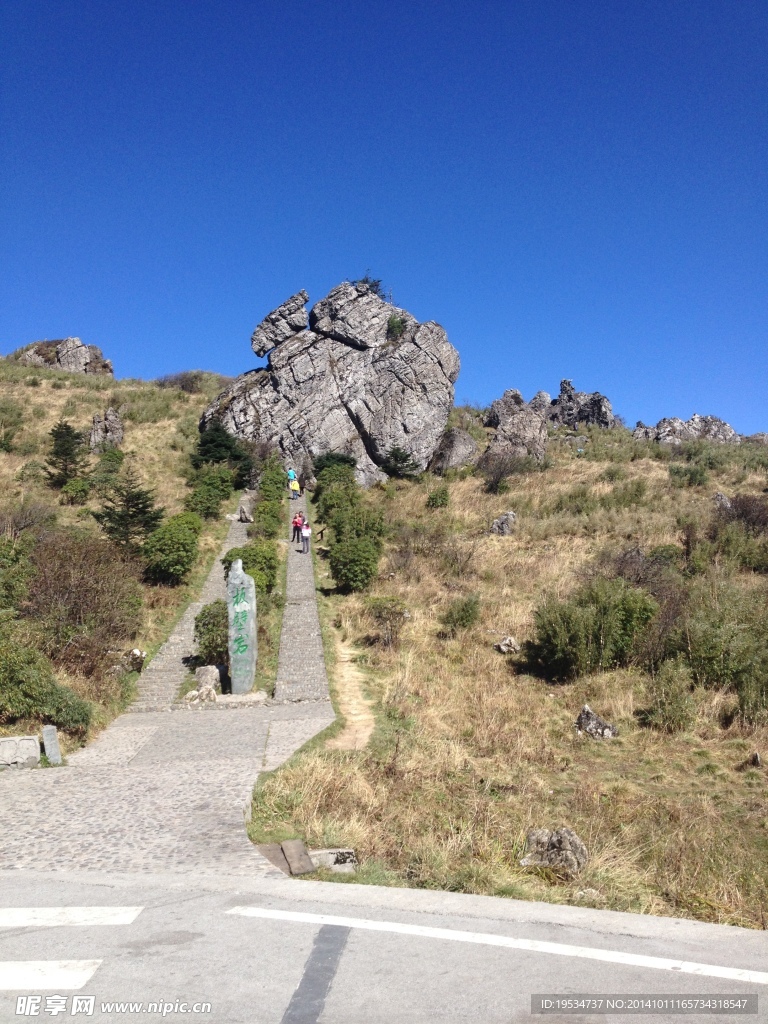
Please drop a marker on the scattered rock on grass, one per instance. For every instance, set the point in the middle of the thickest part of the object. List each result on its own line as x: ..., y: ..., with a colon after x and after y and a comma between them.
x: 593, y: 725
x: 502, y: 526
x: 508, y: 645
x: 561, y: 850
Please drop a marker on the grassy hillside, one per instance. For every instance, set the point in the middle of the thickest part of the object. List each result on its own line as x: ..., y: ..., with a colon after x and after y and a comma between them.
x: 472, y: 748
x: 71, y: 600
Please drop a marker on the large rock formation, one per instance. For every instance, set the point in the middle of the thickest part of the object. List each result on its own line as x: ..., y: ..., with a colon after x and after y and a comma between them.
x: 69, y: 354
x: 574, y: 408
x: 365, y: 377
x: 521, y: 430
x: 456, y: 449
x: 675, y: 431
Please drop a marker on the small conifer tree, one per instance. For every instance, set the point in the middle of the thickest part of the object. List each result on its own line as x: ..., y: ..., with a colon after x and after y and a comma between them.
x: 68, y: 454
x: 129, y: 514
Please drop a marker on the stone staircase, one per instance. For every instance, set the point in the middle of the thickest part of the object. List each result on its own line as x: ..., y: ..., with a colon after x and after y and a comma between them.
x: 159, y: 683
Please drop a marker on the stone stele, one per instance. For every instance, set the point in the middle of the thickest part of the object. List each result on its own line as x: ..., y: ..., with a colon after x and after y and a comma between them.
x: 241, y: 604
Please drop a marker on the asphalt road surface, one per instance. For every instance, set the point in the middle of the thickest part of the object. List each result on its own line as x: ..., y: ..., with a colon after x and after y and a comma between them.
x: 104, y: 947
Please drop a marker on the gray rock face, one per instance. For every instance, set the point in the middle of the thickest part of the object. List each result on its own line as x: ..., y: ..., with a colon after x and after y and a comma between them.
x: 69, y: 354
x: 593, y: 725
x: 572, y: 408
x: 367, y: 377
x: 520, y: 429
x: 561, y: 850
x: 674, y: 431
x: 541, y: 402
x: 503, y: 526
x: 282, y: 323
x: 456, y: 449
x: 107, y: 431
x: 760, y: 438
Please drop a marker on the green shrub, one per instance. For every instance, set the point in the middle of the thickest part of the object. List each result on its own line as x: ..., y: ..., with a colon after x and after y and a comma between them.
x: 190, y: 521
x: 354, y: 563
x: 75, y: 492
x: 268, y: 520
x: 260, y: 560
x: 28, y: 689
x: 389, y: 613
x: 212, y: 634
x: 688, y: 476
x: 612, y: 474
x: 211, y: 486
x: 438, y: 498
x: 171, y: 551
x: 462, y: 613
x: 625, y: 495
x: 216, y: 446
x: 353, y: 521
x: 399, y: 463
x: 11, y: 418
x: 323, y: 462
x: 105, y: 473
x: 594, y: 630
x: 671, y: 708
x: 32, y: 472
x: 579, y: 501
x: 395, y: 327
x: 16, y: 570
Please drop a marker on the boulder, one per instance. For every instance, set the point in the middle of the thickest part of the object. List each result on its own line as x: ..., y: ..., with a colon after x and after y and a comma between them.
x: 561, y: 850
x: 760, y: 438
x: 69, y: 354
x: 520, y: 429
x: 572, y: 408
x: 364, y: 378
x: 456, y: 449
x: 503, y: 526
x: 207, y: 676
x: 107, y: 431
x: 593, y: 725
x: 507, y: 645
x: 674, y: 431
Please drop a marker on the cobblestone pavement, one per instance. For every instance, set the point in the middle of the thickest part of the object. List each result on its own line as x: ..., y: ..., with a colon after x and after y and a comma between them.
x: 301, y: 671
x: 161, y: 790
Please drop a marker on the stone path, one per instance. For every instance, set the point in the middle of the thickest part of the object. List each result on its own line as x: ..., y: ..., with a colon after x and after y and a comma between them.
x: 301, y: 671
x: 163, y: 790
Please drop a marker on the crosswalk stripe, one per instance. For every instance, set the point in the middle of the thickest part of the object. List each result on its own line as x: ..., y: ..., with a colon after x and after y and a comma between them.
x: 610, y: 956
x: 40, y: 975
x: 52, y: 917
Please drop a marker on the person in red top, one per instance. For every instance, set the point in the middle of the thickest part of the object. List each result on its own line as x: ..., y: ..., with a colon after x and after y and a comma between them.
x: 297, y: 522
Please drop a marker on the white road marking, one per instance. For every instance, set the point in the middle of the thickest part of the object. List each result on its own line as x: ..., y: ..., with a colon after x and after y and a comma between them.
x: 529, y: 945
x: 39, y: 975
x: 52, y: 917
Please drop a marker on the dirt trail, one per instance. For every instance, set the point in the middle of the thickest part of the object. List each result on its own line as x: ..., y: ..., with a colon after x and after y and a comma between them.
x: 352, y: 703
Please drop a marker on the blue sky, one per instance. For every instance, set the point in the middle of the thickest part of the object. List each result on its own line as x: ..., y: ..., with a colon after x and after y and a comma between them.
x: 572, y: 188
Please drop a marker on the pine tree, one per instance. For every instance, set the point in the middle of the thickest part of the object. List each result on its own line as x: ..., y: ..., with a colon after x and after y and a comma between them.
x: 68, y: 454
x: 128, y: 515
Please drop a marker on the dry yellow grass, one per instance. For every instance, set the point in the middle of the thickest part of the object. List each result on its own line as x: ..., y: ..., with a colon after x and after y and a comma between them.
x: 469, y: 753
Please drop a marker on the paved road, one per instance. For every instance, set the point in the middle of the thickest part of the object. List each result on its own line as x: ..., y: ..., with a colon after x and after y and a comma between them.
x: 263, y: 951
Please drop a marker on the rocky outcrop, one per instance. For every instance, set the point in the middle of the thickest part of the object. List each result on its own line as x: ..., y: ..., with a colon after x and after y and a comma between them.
x: 674, y: 431
x: 107, y: 431
x: 521, y: 430
x: 363, y: 378
x: 456, y: 449
x: 504, y: 525
x: 574, y: 408
x: 69, y: 354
